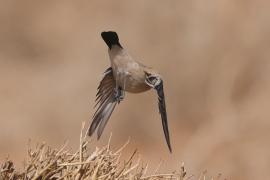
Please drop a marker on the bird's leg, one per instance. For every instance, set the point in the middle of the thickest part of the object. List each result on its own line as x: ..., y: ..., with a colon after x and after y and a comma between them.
x: 119, y: 92
x: 122, y: 95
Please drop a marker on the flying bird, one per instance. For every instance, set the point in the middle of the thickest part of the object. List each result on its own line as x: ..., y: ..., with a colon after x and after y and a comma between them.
x: 124, y: 75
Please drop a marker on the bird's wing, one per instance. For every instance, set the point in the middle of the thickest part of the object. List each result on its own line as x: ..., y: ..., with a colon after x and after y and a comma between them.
x: 105, y: 103
x: 157, y: 83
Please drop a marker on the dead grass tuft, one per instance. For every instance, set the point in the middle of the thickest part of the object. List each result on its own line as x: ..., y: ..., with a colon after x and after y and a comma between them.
x: 43, y: 162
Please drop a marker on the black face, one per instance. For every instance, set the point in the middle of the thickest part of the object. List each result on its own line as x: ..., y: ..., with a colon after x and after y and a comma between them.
x: 110, y: 38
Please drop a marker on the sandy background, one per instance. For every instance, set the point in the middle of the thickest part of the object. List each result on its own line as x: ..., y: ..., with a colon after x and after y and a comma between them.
x: 213, y: 55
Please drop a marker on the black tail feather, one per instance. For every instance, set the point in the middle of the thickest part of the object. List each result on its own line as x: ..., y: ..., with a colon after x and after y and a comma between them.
x: 110, y: 38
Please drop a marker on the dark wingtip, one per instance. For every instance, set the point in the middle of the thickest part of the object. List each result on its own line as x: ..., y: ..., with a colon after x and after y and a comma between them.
x: 163, y: 113
x: 167, y: 137
x: 170, y: 147
x: 91, y: 129
x: 89, y: 133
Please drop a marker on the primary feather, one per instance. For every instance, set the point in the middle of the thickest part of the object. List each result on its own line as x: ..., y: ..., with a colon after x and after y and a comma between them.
x: 105, y: 102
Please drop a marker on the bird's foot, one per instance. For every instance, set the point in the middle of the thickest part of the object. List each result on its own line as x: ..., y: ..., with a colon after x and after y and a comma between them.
x: 119, y: 94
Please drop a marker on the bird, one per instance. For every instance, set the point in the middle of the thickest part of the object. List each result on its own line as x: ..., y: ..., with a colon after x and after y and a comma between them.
x: 124, y: 75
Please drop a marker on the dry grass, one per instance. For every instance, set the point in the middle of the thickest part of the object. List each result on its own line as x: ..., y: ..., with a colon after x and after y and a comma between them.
x: 214, y: 57
x: 43, y: 162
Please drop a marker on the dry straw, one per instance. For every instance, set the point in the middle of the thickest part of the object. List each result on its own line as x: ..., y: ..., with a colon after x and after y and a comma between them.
x: 44, y: 163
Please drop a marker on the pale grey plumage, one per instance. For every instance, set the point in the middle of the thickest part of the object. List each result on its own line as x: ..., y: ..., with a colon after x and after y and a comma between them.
x: 125, y: 74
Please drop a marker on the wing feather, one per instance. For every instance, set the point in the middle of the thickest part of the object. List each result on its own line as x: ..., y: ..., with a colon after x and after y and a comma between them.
x: 105, y: 103
x: 156, y: 82
x: 163, y: 113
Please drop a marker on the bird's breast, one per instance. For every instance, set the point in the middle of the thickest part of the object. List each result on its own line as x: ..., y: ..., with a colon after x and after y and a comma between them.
x: 135, y: 83
x: 131, y: 77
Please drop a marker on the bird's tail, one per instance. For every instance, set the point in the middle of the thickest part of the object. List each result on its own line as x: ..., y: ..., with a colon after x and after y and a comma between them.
x: 110, y: 38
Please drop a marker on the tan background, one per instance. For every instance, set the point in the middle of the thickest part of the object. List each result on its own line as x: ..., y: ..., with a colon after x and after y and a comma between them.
x: 213, y: 55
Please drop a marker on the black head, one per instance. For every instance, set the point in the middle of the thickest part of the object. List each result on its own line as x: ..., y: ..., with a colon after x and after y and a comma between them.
x: 110, y: 38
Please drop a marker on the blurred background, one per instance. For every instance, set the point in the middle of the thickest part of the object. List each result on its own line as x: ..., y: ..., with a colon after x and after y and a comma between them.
x: 213, y: 55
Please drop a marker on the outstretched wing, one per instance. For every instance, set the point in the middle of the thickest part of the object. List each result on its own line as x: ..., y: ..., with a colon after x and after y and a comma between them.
x: 105, y: 103
x: 157, y: 83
